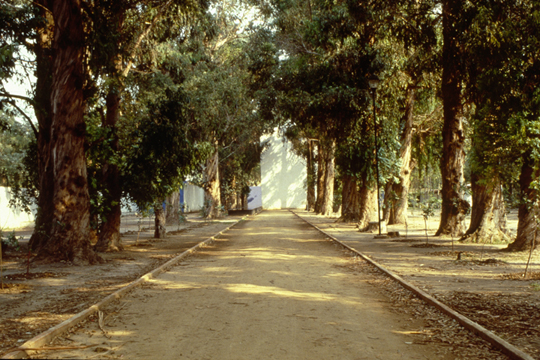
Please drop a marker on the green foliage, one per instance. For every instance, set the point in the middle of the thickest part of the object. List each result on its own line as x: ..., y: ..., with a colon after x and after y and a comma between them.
x: 428, y: 207
x: 18, y: 161
x: 15, y: 140
x: 503, y: 47
x: 160, y: 155
x: 10, y: 240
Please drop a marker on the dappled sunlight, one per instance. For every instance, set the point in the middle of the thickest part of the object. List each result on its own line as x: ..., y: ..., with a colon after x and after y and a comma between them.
x: 34, y: 317
x: 221, y: 269
x: 251, y: 289
x: 258, y: 233
x: 285, y: 273
x: 119, y: 333
x: 177, y: 285
x: 262, y: 255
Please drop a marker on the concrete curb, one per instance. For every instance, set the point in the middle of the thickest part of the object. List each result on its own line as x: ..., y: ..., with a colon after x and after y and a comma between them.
x: 506, y: 348
x: 47, y: 336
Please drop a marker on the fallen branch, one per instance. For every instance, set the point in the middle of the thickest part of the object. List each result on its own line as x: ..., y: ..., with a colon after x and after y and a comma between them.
x: 100, y: 324
x: 56, y: 348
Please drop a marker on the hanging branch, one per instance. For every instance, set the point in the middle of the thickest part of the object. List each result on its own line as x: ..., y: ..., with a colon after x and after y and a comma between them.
x: 12, y: 103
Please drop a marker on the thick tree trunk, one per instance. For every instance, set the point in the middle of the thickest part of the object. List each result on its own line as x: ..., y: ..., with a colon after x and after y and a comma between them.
x: 109, y: 233
x: 321, y: 170
x: 173, y: 208
x: 368, y: 207
x: 454, y: 207
x: 311, y: 177
x: 212, y: 197
x: 527, y: 209
x: 350, y: 204
x: 327, y: 205
x: 70, y: 235
x: 43, y: 112
x: 160, y: 231
x: 397, y: 194
x: 488, y: 216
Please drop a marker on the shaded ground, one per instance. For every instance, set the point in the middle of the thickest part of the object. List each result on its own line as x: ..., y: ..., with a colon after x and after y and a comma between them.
x: 271, y: 288
x: 252, y: 288
x: 51, y: 293
x: 486, y: 284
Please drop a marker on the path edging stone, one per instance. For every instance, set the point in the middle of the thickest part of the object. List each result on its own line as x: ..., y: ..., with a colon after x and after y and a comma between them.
x: 49, y: 335
x: 503, y: 346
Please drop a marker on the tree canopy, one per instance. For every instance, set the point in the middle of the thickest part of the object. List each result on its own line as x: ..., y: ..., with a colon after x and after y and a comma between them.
x: 163, y: 90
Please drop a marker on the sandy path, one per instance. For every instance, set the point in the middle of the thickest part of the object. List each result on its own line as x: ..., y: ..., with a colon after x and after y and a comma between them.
x: 272, y: 288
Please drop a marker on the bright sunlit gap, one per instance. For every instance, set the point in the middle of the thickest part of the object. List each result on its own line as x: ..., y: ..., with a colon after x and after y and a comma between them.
x: 280, y: 292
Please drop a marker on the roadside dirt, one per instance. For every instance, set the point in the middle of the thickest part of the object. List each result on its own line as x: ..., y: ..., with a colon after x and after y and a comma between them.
x: 270, y: 288
x: 486, y: 284
x: 479, y: 285
x: 52, y: 293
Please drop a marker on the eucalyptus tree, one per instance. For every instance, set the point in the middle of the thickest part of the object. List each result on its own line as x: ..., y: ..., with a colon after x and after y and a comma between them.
x: 68, y: 66
x: 240, y: 169
x: 159, y: 150
x: 323, y: 78
x: 407, y: 37
x: 126, y: 36
x: 455, y: 23
x: 220, y: 104
x: 503, y: 84
x: 30, y: 26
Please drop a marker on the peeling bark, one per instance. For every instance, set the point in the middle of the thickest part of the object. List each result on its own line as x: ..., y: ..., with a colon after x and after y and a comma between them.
x: 321, y: 160
x: 327, y: 205
x: 310, y: 178
x: 160, y: 231
x: 488, y: 216
x: 454, y: 207
x: 173, y: 208
x: 212, y: 196
x: 70, y: 233
x: 109, y: 233
x: 350, y: 205
x: 526, y: 213
x: 397, y: 194
x: 368, y: 207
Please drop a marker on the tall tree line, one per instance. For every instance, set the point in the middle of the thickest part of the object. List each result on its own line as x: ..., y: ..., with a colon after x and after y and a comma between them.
x: 457, y: 72
x: 116, y: 115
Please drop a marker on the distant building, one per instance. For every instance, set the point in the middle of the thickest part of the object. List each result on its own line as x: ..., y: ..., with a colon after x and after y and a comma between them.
x: 13, y: 218
x: 283, y: 175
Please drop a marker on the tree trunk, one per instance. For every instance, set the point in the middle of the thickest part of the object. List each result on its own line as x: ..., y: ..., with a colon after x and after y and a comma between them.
x: 397, y: 194
x: 454, y: 207
x: 311, y: 176
x: 321, y: 160
x: 527, y: 208
x: 327, y: 205
x: 350, y: 204
x: 173, y: 208
x: 160, y: 231
x: 70, y: 235
x: 109, y: 233
x: 43, y: 112
x: 232, y: 202
x: 245, y: 202
x: 368, y: 206
x: 488, y: 216
x: 212, y: 196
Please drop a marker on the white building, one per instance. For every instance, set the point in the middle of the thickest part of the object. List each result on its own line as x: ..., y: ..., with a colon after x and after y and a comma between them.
x: 283, y: 175
x: 12, y: 218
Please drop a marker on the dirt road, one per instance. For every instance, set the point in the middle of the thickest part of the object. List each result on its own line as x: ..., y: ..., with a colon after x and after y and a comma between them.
x: 271, y: 288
